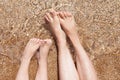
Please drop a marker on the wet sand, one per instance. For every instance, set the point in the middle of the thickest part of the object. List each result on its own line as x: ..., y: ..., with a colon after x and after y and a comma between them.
x: 98, y: 27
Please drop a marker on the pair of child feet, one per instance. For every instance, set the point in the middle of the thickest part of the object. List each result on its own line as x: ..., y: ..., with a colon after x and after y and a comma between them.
x: 60, y: 23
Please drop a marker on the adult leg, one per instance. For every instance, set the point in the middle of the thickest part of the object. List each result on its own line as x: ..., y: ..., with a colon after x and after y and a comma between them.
x: 42, y: 59
x: 29, y: 51
x: 67, y: 70
x: 84, y: 65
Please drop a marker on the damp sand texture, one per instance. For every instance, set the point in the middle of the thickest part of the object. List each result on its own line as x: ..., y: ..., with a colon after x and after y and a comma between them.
x: 98, y: 27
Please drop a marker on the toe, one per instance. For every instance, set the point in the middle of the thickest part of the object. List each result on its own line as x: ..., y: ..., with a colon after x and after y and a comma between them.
x: 61, y: 15
x: 32, y: 40
x: 37, y: 40
x: 69, y: 14
x: 48, y: 17
x: 42, y: 42
x: 48, y: 41
x: 53, y: 13
x: 65, y: 14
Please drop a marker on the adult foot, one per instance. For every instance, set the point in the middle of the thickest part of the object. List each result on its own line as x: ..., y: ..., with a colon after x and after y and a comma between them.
x: 67, y: 22
x: 31, y: 47
x: 44, y: 49
x: 53, y: 21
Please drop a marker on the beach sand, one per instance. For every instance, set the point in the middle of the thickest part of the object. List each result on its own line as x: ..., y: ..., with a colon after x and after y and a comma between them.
x: 98, y: 27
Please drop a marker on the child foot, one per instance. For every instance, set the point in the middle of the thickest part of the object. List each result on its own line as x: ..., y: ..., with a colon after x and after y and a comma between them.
x: 54, y: 23
x: 67, y: 22
x: 44, y: 49
x: 31, y: 47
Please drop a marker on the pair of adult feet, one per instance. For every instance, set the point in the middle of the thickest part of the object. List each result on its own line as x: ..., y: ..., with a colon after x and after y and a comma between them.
x: 58, y: 21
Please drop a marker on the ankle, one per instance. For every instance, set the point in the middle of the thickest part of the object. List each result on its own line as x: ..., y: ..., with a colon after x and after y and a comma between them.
x: 61, y: 42
x: 43, y: 60
x: 25, y: 59
x: 72, y: 33
x: 61, y: 39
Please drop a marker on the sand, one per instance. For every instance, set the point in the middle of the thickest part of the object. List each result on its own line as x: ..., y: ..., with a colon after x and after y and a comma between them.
x: 98, y: 27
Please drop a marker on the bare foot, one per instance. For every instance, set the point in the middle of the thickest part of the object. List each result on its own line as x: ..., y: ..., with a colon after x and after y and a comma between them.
x: 67, y: 22
x: 53, y: 21
x: 31, y: 47
x: 44, y: 49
